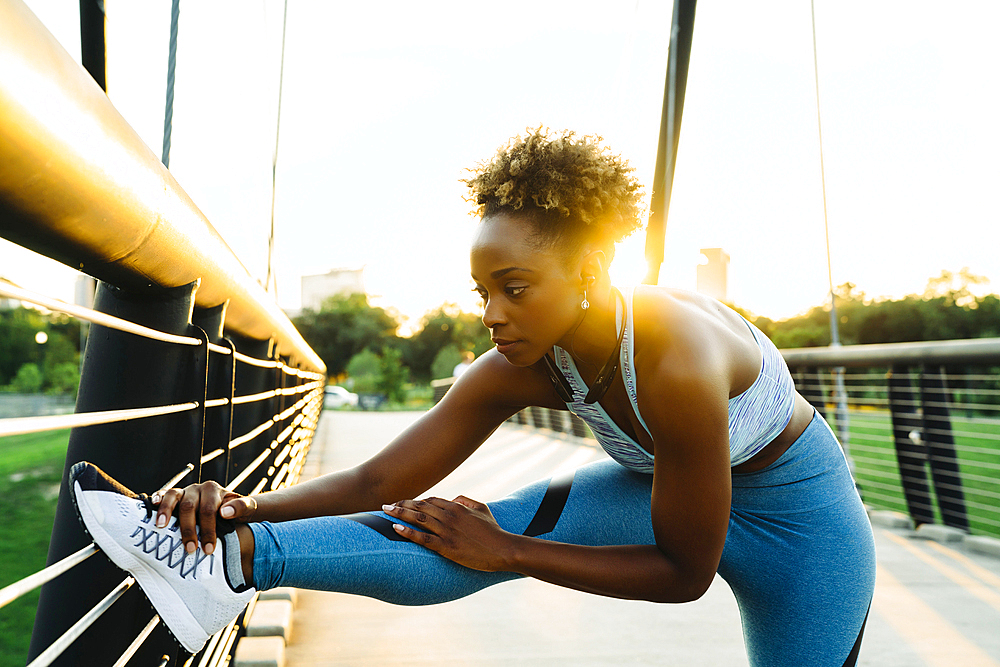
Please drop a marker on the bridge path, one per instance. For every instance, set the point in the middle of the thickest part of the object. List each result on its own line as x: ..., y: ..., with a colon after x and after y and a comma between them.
x: 935, y: 605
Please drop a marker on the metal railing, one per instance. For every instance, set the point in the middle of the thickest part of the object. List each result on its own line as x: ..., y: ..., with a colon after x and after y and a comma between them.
x: 191, y: 371
x: 921, y: 425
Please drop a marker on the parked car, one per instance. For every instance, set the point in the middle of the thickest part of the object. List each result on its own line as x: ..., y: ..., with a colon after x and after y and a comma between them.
x: 338, y: 397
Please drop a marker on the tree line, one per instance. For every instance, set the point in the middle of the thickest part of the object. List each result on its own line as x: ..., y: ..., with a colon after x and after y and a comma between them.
x: 948, y: 309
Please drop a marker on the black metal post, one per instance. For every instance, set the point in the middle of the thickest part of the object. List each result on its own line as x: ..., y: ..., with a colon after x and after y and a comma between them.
x: 250, y: 379
x: 221, y: 378
x: 911, y: 454
x: 123, y: 370
x: 93, y: 49
x: 941, y: 453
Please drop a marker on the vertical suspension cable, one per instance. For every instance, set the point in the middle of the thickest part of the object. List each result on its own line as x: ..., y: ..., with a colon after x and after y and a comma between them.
x: 834, y: 329
x: 843, y: 427
x: 168, y: 114
x: 271, y: 277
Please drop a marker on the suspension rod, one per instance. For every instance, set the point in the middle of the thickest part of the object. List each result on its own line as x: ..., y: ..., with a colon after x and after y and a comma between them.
x: 77, y: 184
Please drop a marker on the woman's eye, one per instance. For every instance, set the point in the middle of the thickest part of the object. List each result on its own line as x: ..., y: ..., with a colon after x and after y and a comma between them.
x: 515, y: 291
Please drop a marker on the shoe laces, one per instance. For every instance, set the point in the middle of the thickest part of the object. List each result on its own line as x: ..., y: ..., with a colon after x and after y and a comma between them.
x: 164, y: 544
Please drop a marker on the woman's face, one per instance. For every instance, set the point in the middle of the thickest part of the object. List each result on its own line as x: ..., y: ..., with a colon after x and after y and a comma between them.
x: 531, y: 296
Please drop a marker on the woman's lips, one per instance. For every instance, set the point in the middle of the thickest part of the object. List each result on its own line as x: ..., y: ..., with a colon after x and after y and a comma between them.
x: 505, y: 346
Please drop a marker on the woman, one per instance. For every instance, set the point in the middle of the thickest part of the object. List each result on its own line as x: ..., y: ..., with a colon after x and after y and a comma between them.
x: 718, y: 465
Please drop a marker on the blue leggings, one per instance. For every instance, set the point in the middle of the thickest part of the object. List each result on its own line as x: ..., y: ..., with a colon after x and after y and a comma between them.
x: 799, y: 554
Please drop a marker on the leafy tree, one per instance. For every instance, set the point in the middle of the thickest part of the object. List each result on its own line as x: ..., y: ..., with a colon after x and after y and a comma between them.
x: 947, y: 310
x: 447, y: 325
x: 363, y: 363
x: 28, y: 379
x: 18, y: 327
x: 370, y: 373
x: 64, y: 378
x: 392, y: 375
x: 444, y: 363
x: 344, y: 326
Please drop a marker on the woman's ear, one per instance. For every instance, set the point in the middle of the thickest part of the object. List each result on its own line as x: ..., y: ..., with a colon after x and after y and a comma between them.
x: 593, y: 266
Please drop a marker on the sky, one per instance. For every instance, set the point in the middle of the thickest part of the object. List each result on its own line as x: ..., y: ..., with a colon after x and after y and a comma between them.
x: 385, y: 105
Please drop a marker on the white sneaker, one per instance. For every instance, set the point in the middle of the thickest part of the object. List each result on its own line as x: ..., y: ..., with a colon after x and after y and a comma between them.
x: 191, y: 592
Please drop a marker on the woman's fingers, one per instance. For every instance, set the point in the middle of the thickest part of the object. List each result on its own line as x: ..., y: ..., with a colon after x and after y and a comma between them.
x: 238, y: 508
x: 208, y: 505
x: 472, y: 504
x: 193, y: 506
x: 167, y: 504
x: 428, y: 514
x: 187, y: 517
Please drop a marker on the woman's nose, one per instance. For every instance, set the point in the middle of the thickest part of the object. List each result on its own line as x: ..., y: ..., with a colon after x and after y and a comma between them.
x: 492, y: 314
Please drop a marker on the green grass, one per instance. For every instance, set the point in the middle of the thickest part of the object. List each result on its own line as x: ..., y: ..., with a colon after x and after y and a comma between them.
x: 30, y: 472
x: 978, y: 448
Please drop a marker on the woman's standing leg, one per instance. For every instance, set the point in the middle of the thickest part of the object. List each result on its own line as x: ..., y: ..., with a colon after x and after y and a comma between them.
x: 800, y: 556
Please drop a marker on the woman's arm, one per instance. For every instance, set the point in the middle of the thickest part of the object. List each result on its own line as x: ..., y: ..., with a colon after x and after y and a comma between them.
x: 487, y: 394
x: 690, y: 501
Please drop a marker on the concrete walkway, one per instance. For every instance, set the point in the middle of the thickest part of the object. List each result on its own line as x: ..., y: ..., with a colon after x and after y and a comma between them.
x: 935, y: 606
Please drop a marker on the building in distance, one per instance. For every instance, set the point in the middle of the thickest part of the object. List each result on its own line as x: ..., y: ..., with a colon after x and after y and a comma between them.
x: 318, y: 288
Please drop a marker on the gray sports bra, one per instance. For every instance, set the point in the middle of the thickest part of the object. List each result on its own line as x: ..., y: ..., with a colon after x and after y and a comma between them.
x: 756, y: 416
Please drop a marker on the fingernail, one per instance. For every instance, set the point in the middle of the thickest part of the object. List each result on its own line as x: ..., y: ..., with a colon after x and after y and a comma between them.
x: 161, y: 521
x: 156, y: 498
x: 227, y: 512
x: 190, y: 547
x: 388, y: 508
x: 398, y: 527
x: 208, y: 549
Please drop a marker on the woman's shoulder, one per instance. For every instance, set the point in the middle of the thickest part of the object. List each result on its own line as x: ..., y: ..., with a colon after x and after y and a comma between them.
x: 683, y: 332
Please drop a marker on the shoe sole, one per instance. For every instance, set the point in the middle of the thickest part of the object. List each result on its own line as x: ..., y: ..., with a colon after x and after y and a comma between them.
x: 180, y: 622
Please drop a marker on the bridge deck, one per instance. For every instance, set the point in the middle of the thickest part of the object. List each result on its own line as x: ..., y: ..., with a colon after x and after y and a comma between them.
x: 934, y: 605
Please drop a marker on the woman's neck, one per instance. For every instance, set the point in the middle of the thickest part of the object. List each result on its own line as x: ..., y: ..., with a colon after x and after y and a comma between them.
x: 596, y: 337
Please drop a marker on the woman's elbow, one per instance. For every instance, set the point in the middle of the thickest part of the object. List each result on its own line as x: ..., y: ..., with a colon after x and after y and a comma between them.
x: 685, y: 587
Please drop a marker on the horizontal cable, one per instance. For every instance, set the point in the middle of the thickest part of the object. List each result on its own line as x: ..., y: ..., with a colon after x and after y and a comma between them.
x: 251, y: 398
x: 216, y: 402
x: 170, y: 483
x: 236, y: 442
x: 12, y: 291
x: 249, y: 470
x: 279, y: 476
x: 137, y: 642
x: 260, y: 363
x: 47, y: 656
x: 284, y: 434
x: 18, y: 588
x: 103, y: 319
x: 214, y: 454
x: 90, y: 315
x: 20, y: 425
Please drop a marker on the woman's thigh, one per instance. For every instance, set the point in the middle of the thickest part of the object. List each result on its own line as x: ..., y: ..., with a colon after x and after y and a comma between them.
x: 800, y: 557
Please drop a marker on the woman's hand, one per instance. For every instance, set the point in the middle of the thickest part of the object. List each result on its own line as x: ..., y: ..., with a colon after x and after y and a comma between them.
x: 461, y: 530
x: 198, y: 504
